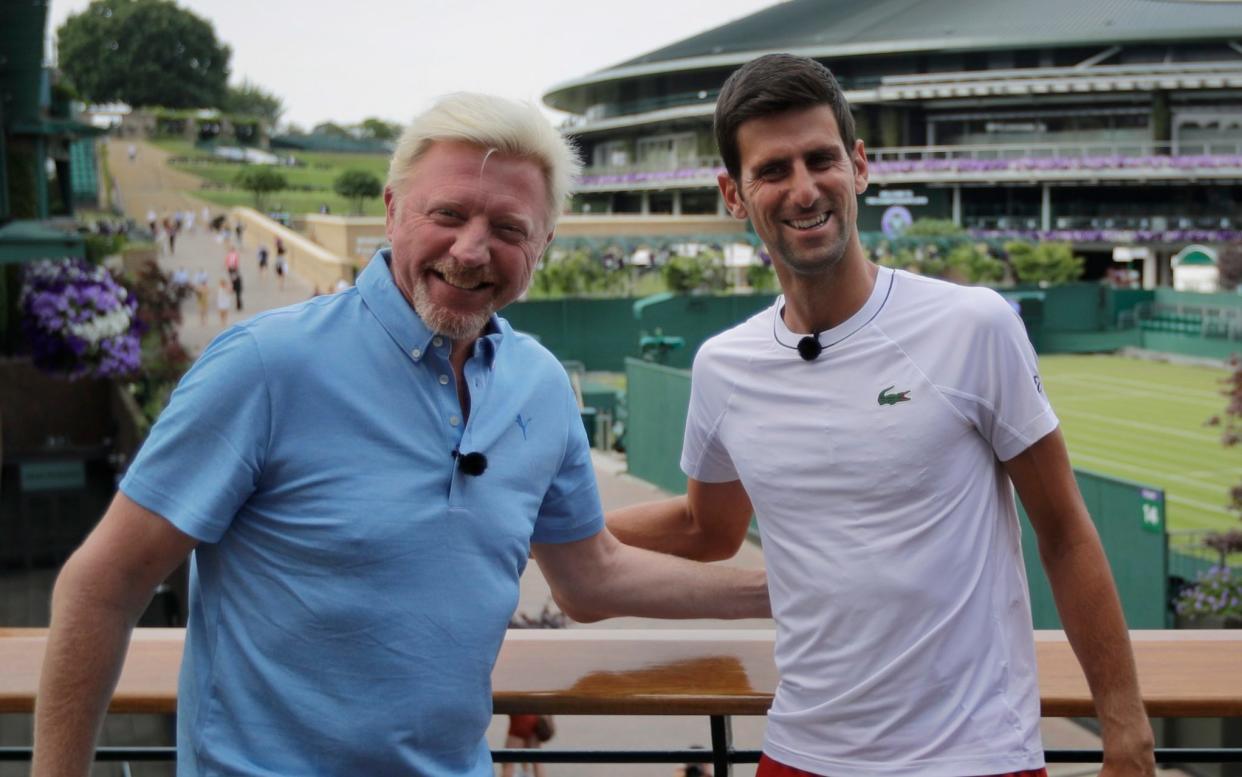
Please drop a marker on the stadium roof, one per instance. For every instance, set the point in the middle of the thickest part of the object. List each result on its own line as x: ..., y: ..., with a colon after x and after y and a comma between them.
x: 841, y: 28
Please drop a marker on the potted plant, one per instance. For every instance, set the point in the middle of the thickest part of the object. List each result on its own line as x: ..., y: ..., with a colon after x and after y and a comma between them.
x: 1213, y: 602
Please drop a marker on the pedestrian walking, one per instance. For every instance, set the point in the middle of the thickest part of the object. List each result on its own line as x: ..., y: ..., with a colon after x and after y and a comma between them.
x: 224, y: 301
x: 201, y: 292
x: 262, y: 260
x: 282, y: 266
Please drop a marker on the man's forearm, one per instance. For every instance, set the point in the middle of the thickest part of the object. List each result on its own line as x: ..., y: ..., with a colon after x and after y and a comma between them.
x: 617, y: 579
x: 1091, y: 613
x: 664, y: 526
x: 709, y: 523
x: 85, y: 651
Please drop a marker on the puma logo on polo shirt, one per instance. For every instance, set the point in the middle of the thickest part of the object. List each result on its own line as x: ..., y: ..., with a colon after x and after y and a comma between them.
x: 892, y: 399
x: 522, y: 422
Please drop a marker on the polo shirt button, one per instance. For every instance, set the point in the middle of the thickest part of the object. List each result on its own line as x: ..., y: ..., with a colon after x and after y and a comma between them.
x: 417, y: 352
x: 454, y: 420
x: 437, y: 341
x: 443, y: 380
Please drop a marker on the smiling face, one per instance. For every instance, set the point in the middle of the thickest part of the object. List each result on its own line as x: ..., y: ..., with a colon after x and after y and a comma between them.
x: 467, y: 228
x: 799, y: 187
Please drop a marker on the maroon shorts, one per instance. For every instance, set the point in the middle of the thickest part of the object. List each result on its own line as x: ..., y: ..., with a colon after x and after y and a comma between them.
x: 770, y: 768
x: 523, y: 726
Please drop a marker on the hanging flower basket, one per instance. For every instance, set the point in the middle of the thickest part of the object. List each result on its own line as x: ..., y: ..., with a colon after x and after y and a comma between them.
x: 1214, y: 601
x: 78, y: 321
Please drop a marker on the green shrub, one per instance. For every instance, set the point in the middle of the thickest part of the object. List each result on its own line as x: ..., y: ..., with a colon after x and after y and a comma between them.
x: 1044, y: 263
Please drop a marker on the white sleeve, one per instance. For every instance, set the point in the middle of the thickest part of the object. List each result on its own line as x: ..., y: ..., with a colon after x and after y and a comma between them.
x: 703, y: 455
x: 998, y: 387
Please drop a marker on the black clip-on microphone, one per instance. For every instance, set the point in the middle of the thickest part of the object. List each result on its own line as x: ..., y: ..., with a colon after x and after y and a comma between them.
x: 473, y: 464
x: 809, y: 348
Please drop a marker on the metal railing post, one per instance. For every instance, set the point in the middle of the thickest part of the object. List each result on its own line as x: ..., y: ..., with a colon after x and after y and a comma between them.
x: 722, y: 744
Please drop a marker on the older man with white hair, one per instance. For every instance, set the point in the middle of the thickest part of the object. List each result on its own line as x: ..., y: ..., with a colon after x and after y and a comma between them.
x: 360, y: 480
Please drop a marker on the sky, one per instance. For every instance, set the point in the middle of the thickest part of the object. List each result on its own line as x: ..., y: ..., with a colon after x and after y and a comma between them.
x: 345, y: 61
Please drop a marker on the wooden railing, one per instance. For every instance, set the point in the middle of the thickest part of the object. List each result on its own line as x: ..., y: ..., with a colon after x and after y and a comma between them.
x: 718, y: 673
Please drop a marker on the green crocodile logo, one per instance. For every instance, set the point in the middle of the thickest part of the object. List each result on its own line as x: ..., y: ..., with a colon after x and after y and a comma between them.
x: 892, y: 399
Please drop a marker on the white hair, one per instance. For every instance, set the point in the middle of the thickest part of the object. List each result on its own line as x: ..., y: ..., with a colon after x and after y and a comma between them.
x: 494, y: 123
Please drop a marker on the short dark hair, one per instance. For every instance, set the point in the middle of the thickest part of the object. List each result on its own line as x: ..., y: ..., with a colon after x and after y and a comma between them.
x: 771, y: 84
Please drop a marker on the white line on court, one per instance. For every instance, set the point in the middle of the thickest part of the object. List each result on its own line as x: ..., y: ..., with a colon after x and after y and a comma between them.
x: 1199, y: 436
x: 1139, y: 389
x: 1157, y: 478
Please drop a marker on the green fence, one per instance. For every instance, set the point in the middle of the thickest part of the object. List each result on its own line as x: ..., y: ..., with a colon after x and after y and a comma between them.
x: 602, y: 333
x: 1130, y: 519
x: 1129, y: 516
x: 1070, y: 318
x: 656, y: 401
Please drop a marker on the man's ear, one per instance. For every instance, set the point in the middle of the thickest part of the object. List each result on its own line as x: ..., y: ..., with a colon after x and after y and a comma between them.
x: 390, y: 212
x: 862, y: 172
x: 732, y: 198
x: 547, y: 244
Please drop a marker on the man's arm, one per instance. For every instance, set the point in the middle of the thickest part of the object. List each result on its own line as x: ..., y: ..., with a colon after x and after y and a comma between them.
x: 1086, y: 600
x: 99, y: 596
x: 601, y: 577
x: 709, y: 523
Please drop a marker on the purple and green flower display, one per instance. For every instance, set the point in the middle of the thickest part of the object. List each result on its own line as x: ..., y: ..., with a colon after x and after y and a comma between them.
x: 79, y: 321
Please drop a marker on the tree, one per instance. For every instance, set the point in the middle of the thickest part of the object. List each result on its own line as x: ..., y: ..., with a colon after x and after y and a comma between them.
x: 260, y: 180
x: 1230, y: 263
x: 934, y: 228
x: 144, y: 52
x: 1044, y: 263
x: 330, y: 128
x: 248, y: 99
x: 760, y: 277
x: 705, y: 272
x: 974, y: 264
x: 378, y: 129
x: 357, y: 186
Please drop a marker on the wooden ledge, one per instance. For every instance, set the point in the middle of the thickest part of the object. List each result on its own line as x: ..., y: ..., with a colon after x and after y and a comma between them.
x: 683, y: 672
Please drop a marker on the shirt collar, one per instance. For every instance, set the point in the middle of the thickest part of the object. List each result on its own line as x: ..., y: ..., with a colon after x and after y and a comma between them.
x: 830, y: 337
x: 389, y: 306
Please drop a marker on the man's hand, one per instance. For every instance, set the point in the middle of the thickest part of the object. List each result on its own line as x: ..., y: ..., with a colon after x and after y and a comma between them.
x: 1134, y: 759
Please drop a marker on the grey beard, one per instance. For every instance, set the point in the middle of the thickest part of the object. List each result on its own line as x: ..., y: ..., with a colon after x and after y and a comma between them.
x: 455, y: 326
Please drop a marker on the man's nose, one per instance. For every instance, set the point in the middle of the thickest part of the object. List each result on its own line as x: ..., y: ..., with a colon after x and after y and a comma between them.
x: 471, y: 246
x: 803, y: 189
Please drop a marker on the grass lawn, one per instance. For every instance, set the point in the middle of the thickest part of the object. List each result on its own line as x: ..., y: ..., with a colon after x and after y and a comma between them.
x: 310, y: 182
x: 1144, y: 421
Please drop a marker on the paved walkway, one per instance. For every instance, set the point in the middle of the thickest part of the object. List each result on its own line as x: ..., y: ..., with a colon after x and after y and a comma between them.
x: 147, y: 183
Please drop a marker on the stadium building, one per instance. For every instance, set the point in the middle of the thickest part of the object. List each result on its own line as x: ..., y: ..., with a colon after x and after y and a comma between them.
x: 1108, y: 123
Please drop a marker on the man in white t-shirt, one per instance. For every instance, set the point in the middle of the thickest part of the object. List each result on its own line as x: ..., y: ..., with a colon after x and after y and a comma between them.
x: 878, y: 422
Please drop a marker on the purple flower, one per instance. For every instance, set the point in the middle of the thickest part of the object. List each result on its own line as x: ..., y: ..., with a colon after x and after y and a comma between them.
x: 70, y: 320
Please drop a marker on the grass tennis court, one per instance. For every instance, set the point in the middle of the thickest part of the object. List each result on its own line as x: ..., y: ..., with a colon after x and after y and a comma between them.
x: 1144, y: 421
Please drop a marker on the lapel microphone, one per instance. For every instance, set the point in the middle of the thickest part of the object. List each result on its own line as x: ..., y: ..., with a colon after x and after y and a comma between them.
x: 473, y: 464
x: 809, y: 348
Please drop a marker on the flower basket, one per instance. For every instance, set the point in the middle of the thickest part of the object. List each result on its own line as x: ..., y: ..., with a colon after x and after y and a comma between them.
x: 78, y: 321
x: 1213, y: 602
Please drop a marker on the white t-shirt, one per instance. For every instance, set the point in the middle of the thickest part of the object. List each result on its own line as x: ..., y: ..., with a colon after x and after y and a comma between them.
x: 889, y: 528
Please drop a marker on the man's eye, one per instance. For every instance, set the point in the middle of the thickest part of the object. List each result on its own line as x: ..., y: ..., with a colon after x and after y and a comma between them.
x: 447, y: 213
x: 820, y: 162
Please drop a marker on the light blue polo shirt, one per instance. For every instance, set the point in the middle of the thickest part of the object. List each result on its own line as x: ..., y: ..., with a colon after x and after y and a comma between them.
x: 352, y: 587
